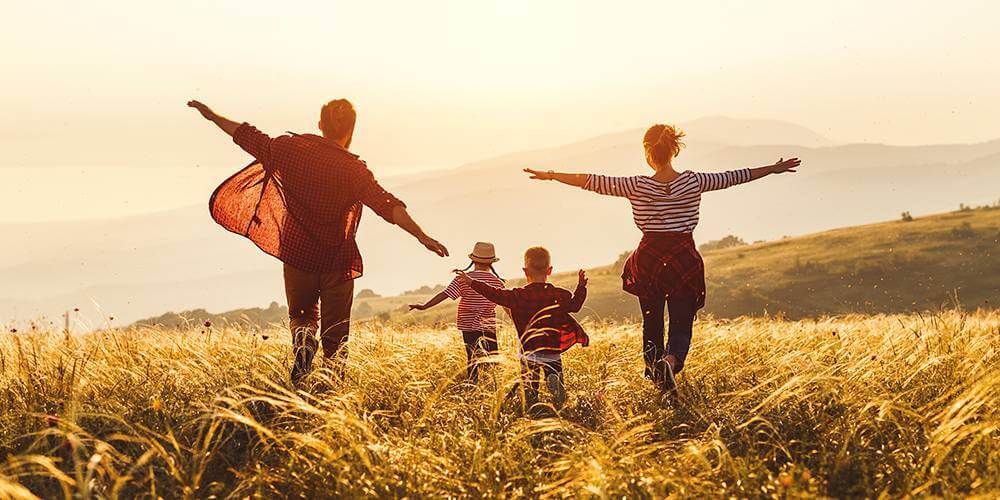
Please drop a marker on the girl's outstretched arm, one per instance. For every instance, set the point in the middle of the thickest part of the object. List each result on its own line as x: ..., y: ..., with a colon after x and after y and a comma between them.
x: 437, y: 299
x: 577, y: 180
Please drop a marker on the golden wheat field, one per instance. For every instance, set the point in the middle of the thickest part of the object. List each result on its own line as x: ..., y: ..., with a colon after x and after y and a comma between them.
x: 847, y: 406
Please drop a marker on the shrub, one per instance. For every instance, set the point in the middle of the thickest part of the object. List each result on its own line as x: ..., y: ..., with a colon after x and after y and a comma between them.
x: 963, y: 231
x: 729, y: 241
x: 367, y: 293
x: 906, y: 217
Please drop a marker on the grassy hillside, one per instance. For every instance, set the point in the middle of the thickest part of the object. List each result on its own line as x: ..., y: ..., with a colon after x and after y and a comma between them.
x: 927, y: 263
x: 843, y: 407
x: 256, y: 318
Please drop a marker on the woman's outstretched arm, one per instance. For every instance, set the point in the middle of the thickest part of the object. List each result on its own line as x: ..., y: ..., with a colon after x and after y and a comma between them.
x: 713, y: 181
x: 779, y: 167
x: 577, y: 180
x: 600, y: 184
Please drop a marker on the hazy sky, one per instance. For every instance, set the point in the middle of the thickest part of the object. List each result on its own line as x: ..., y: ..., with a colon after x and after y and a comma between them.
x: 104, y: 83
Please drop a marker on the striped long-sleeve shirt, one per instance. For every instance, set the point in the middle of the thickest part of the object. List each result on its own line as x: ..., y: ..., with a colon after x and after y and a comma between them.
x: 475, y: 312
x: 666, y: 207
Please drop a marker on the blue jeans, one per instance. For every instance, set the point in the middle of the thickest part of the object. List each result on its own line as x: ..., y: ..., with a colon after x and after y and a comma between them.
x: 682, y: 312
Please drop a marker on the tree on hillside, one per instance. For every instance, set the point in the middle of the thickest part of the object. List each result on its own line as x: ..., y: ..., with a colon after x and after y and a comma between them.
x: 729, y: 241
x: 425, y: 290
x: 367, y: 293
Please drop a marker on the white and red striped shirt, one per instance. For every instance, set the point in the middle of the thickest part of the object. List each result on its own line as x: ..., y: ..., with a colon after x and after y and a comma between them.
x: 666, y: 207
x: 475, y: 312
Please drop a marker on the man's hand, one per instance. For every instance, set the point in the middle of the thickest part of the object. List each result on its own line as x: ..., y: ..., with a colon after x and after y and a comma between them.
x: 463, y: 278
x: 582, y: 278
x: 228, y: 126
x: 402, y: 218
x: 434, y: 246
x: 203, y: 109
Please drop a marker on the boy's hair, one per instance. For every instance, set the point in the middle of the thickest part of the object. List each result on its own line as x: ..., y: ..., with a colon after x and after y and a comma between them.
x: 537, y: 259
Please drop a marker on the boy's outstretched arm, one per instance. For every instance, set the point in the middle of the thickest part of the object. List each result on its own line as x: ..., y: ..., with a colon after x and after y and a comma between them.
x: 228, y: 126
x: 497, y: 296
x: 580, y: 295
x: 435, y: 300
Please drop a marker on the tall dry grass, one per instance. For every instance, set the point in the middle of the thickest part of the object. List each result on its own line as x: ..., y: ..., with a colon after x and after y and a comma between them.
x: 848, y: 406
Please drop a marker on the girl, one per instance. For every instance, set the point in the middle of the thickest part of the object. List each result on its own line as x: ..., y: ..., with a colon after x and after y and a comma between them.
x: 665, y: 271
x: 476, y: 315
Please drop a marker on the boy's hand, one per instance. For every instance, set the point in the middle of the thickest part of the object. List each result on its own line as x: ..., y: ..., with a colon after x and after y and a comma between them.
x: 583, y: 277
x: 418, y: 307
x: 464, y: 278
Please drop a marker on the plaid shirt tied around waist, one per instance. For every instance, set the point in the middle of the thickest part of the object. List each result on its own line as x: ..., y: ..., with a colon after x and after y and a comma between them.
x: 666, y: 265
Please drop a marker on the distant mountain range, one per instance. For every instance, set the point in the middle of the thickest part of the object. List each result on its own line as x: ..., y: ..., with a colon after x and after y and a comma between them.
x: 138, y: 266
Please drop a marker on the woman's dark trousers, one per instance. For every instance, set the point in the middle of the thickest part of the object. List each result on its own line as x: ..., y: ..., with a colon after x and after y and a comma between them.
x: 681, y: 314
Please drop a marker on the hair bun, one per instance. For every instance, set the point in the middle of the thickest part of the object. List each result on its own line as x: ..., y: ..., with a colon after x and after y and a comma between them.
x: 670, y: 136
x: 662, y: 143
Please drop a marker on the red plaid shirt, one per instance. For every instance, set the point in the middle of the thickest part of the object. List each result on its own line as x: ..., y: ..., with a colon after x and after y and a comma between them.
x: 541, y: 313
x: 666, y: 265
x: 301, y: 201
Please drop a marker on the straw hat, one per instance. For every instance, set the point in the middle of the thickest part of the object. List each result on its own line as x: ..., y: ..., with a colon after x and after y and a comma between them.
x: 484, y: 253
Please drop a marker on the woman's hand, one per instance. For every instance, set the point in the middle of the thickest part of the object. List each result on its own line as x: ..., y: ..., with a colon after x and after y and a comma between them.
x: 582, y: 278
x: 783, y: 165
x: 540, y: 175
x: 418, y: 307
x: 578, y: 180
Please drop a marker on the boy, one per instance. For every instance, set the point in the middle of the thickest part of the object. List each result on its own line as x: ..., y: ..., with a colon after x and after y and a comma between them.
x: 541, y: 314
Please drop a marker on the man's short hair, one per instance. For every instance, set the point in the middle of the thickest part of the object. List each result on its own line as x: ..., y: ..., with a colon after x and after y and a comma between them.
x: 537, y: 259
x: 337, y: 118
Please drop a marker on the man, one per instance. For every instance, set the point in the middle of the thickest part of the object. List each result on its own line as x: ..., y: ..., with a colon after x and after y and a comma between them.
x: 301, y: 202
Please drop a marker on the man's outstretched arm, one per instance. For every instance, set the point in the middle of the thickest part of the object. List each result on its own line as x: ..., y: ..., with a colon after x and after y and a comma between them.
x: 228, y: 126
x: 402, y: 218
x: 392, y: 209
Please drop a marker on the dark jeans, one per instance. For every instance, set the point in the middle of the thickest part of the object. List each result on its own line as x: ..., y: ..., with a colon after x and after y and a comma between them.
x: 316, y: 299
x: 530, y: 371
x: 477, y: 346
x: 682, y: 312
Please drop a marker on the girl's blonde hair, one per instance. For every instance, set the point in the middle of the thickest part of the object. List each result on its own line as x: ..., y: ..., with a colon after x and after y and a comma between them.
x: 663, y: 144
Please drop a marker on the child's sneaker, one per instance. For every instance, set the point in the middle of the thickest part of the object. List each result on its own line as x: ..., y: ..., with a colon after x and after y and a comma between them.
x: 556, y: 389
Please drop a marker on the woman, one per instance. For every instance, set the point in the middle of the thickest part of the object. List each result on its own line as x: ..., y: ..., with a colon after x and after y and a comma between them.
x: 665, y: 271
